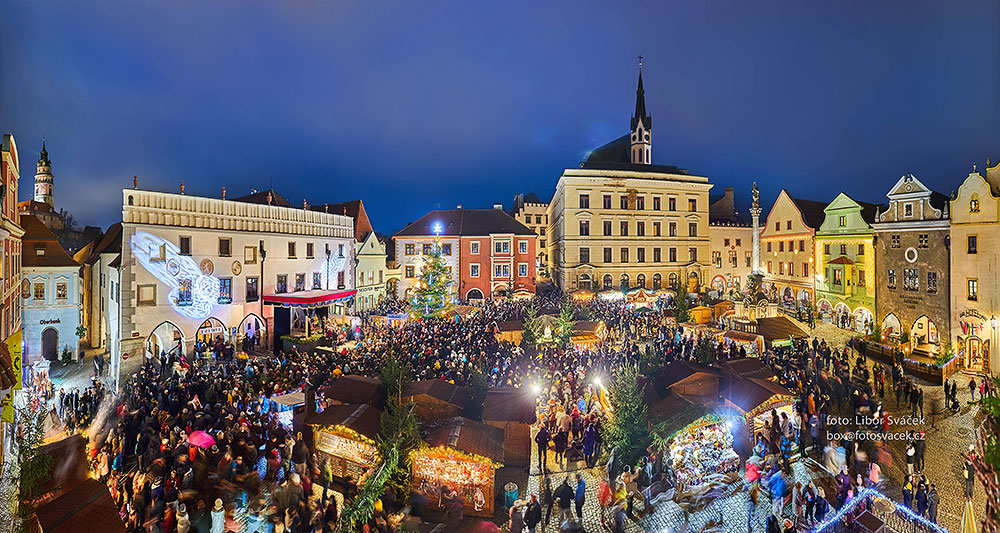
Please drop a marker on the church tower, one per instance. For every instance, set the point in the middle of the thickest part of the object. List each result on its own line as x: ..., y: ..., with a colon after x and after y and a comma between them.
x: 43, y: 179
x: 642, y: 127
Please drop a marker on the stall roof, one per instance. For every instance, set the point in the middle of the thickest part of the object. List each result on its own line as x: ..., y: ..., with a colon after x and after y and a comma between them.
x: 291, y: 399
x: 86, y: 507
x: 352, y: 389
x: 468, y: 436
x: 364, y: 419
x: 748, y: 367
x: 510, y: 325
x: 675, y: 413
x: 509, y: 404
x: 741, y: 336
x: 308, y: 299
x: 749, y: 393
x: 586, y: 327
x: 676, y: 371
x: 461, y: 310
x: 441, y: 390
x: 779, y: 327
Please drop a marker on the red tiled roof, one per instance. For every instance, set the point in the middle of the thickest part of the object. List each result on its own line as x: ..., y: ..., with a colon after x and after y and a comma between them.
x: 39, y: 238
x: 466, y: 222
x: 842, y: 260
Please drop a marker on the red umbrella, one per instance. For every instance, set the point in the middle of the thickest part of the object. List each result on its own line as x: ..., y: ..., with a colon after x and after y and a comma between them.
x: 201, y: 439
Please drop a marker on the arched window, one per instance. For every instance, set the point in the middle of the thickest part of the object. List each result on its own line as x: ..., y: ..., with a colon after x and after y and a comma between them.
x: 672, y: 279
x: 657, y: 281
x: 974, y: 204
x: 640, y: 281
x: 608, y: 281
x: 624, y: 281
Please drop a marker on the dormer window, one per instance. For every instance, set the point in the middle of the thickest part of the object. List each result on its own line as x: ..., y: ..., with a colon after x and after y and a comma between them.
x: 40, y: 251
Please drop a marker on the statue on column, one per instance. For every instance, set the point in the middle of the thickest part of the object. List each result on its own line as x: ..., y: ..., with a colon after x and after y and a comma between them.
x: 756, y: 195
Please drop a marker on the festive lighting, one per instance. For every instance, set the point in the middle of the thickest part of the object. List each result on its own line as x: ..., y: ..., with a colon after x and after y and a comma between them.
x: 192, y: 293
x: 872, y: 493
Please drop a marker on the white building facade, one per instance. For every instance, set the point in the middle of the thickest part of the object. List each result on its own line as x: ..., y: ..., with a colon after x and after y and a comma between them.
x: 196, y: 268
x: 50, y: 292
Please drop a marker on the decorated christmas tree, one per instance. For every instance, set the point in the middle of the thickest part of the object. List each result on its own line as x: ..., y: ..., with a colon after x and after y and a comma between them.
x: 432, y: 295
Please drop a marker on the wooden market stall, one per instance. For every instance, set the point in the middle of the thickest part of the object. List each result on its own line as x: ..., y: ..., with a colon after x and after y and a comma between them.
x: 350, y: 389
x: 289, y: 407
x: 435, y: 399
x: 752, y: 342
x: 464, y: 455
x: 587, y: 333
x: 511, y: 331
x: 701, y: 314
x: 461, y: 312
x: 344, y: 435
x: 512, y: 409
x: 702, y: 448
x: 755, y: 398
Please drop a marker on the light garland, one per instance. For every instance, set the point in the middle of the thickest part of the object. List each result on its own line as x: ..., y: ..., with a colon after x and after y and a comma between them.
x: 778, y: 400
x: 870, y: 492
x: 343, y: 442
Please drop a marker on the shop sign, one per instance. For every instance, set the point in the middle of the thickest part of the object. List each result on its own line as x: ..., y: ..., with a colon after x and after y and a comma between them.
x: 16, y: 354
x: 211, y: 330
x: 51, y: 321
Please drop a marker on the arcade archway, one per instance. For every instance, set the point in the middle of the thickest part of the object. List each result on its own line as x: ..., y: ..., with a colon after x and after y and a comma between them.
x: 211, y: 329
x: 474, y: 294
x: 719, y: 283
x: 891, y: 326
x: 165, y: 338
x: 924, y: 334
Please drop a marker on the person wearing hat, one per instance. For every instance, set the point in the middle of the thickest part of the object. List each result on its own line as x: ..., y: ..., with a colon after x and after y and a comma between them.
x: 183, y: 520
x: 218, y: 517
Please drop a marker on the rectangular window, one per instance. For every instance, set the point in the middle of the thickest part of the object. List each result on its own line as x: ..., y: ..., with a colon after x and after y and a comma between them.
x: 584, y: 255
x: 584, y: 227
x: 911, y: 279
x: 474, y: 247
x: 607, y: 228
x: 624, y: 255
x: 781, y: 267
x: 62, y: 290
x: 891, y: 278
x: 907, y: 210
x: 769, y: 246
x: 861, y: 249
x: 309, y: 250
x: 802, y: 245
x: 656, y: 203
x: 842, y: 221
x: 410, y: 272
x: 826, y: 249
x: 410, y: 249
x: 788, y: 224
x: 640, y: 228
x: 805, y: 270
x: 672, y: 229
x: 656, y: 255
x: 624, y: 228
x: 39, y: 291
x: 973, y: 290
x: 749, y: 259
x: 777, y: 226
x: 972, y: 244
x: 252, y: 291
x: 692, y: 229
x: 342, y: 275
x: 249, y: 255
x: 640, y: 255
x: 318, y: 280
x: 502, y: 247
x: 291, y: 250
x: 501, y: 271
x: 522, y: 269
x: 894, y: 241
x: 185, y: 245
x: 781, y: 246
x: 671, y: 204
x: 623, y: 202
x: 656, y: 229
x: 734, y: 261
x: 861, y: 278
x: 541, y: 231
x: 522, y: 247
x: 584, y: 201
x: 184, y: 292
x: 923, y: 241
x: 768, y: 267
x: 791, y: 268
x: 692, y: 205
x: 146, y: 294
x: 282, y: 284
x: 474, y: 270
x: 672, y: 255
x: 446, y: 248
x: 225, y: 247
x: 426, y: 249
x: 640, y: 203
x: 692, y: 254
x: 225, y: 290
x: 932, y: 283
x: 843, y: 249
x: 838, y: 277
x: 300, y: 282
x: 607, y: 255
x: 717, y: 259
x: 607, y: 201
x: 538, y: 219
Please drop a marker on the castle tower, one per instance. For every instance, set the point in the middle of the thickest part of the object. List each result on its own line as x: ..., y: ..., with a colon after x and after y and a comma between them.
x: 43, y: 178
x: 642, y: 126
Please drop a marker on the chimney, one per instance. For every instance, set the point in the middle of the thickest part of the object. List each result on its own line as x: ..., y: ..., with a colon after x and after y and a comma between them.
x: 498, y: 207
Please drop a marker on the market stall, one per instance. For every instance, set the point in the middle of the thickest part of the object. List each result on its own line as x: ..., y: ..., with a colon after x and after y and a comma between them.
x: 344, y: 435
x: 752, y: 342
x: 755, y: 399
x: 286, y: 405
x: 702, y: 448
x: 464, y: 455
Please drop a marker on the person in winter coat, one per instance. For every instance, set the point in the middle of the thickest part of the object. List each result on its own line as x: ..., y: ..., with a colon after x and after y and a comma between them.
x: 218, y: 517
x: 533, y: 514
x: 822, y: 505
x: 932, y: 504
x: 590, y: 445
x: 542, y: 439
x: 908, y: 493
x: 516, y: 515
x: 580, y: 496
x: 921, y: 500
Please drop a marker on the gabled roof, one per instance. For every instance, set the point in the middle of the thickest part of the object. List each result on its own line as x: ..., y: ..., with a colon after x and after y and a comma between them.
x: 750, y: 393
x: 509, y: 404
x: 110, y: 242
x: 440, y: 390
x: 842, y: 260
x: 468, y: 436
x: 465, y: 222
x: 811, y: 210
x: 39, y: 238
x: 748, y: 367
x: 676, y: 371
x: 354, y: 209
x: 31, y: 206
x: 363, y: 419
x: 351, y: 389
x: 779, y: 327
x: 260, y: 197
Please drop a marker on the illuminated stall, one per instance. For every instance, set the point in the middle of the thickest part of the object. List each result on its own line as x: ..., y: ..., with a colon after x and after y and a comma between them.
x: 294, y: 313
x: 702, y: 448
x: 464, y: 455
x: 752, y: 342
x: 344, y: 435
x: 286, y: 405
x: 756, y: 398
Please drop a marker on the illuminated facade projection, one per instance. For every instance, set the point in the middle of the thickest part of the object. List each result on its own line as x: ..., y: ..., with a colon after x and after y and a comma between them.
x: 248, y: 270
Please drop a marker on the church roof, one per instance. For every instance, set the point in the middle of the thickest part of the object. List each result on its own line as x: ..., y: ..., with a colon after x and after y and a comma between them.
x: 640, y: 106
x: 465, y: 222
x: 616, y: 155
x: 40, y: 247
x: 260, y: 197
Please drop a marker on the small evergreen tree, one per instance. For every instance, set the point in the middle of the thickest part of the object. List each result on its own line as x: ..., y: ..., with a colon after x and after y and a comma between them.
x: 704, y: 351
x: 566, y: 322
x: 681, y: 303
x: 628, y: 430
x: 532, y: 333
x: 477, y: 386
x: 432, y: 295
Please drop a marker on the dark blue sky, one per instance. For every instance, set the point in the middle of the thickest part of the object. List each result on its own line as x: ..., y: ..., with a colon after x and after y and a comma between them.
x: 414, y: 105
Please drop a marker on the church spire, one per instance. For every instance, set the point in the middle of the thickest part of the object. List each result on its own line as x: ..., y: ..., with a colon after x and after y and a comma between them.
x: 642, y: 126
x: 43, y: 156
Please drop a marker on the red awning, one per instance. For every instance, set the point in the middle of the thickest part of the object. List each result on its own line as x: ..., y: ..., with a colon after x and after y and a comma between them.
x: 308, y: 299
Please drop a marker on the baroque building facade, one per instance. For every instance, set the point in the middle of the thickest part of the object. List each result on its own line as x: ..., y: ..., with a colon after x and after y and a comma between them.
x: 787, y: 245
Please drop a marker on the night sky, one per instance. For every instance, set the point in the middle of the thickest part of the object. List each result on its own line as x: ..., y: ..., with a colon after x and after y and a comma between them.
x: 412, y: 106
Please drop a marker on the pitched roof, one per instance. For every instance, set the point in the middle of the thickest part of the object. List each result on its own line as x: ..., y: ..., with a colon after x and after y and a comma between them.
x: 468, y: 436
x: 676, y: 371
x: 616, y: 155
x: 351, y: 389
x: 439, y: 389
x: 364, y: 419
x: 465, y: 222
x: 86, y: 507
x: 31, y: 206
x: 354, y: 209
x: 812, y: 211
x: 748, y: 367
x: 260, y: 197
x: 842, y: 260
x: 779, y: 327
x: 39, y: 238
x: 109, y: 242
x: 750, y: 393
x: 509, y: 404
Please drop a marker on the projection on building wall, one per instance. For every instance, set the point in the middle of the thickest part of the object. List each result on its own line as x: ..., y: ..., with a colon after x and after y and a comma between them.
x: 192, y: 293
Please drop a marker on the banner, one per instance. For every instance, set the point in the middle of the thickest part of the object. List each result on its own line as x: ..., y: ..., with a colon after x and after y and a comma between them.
x: 7, y: 407
x: 17, y: 363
